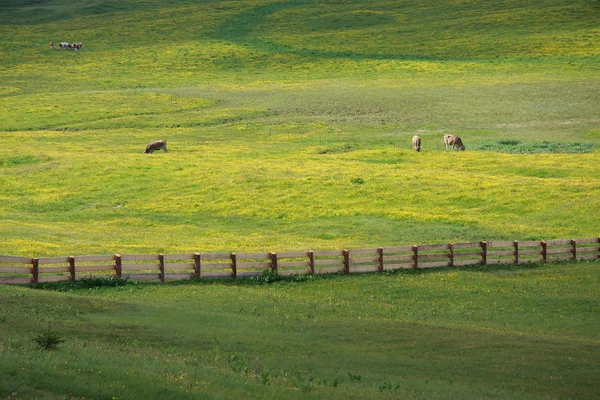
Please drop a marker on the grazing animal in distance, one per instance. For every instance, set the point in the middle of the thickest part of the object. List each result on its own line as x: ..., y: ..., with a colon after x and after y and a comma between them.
x: 158, y: 145
x: 416, y: 141
x: 51, y: 45
x: 63, y: 45
x: 454, y: 141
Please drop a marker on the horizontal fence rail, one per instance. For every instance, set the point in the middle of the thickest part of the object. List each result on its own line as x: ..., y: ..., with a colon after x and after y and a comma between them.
x: 163, y: 267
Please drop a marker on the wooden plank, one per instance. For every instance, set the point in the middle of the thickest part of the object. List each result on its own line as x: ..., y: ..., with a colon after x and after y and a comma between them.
x: 170, y: 267
x: 558, y: 242
x: 216, y: 266
x: 139, y: 267
x: 246, y: 256
x: 15, y: 260
x: 52, y: 278
x: 468, y: 254
x: 53, y: 260
x: 400, y: 257
x: 15, y: 270
x: 423, y: 247
x: 529, y: 260
x: 14, y: 280
x: 100, y: 275
x: 50, y: 270
x: 364, y: 269
x: 292, y: 254
x: 362, y: 260
x: 328, y: 262
x: 322, y: 271
x: 530, y: 243
x: 588, y: 257
x: 180, y: 275
x: 247, y: 274
x: 559, y: 251
x: 79, y: 259
x: 462, y: 263
x: 328, y: 253
x: 139, y: 257
x: 500, y: 243
x: 432, y: 256
x: 397, y: 249
x: 179, y: 257
x: 391, y: 267
x: 557, y: 258
x: 87, y: 268
x: 530, y: 252
x: 583, y: 241
x: 142, y: 277
x: 466, y: 245
x: 500, y: 253
x: 215, y: 275
x: 215, y: 256
x: 587, y: 250
x: 360, y: 252
x: 288, y: 264
x: 434, y: 264
x: 249, y: 265
x: 294, y: 272
x: 502, y: 261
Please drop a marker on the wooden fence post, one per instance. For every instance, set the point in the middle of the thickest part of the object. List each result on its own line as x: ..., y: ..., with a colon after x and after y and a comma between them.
x: 574, y: 248
x: 380, y: 259
x: 197, y: 265
x: 516, y: 251
x: 233, y: 266
x: 35, y: 270
x: 118, y: 265
x: 311, y: 262
x: 483, y: 252
x: 415, y: 250
x: 161, y: 265
x: 72, y: 268
x: 544, y: 251
x: 346, y: 254
x: 451, y: 247
x: 273, y: 257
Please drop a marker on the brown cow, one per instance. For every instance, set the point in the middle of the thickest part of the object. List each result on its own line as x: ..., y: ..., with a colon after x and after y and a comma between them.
x: 451, y: 140
x: 158, y: 145
x: 51, y: 45
x: 416, y: 141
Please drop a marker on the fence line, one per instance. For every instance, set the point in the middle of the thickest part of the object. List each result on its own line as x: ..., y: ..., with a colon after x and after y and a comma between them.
x: 24, y: 270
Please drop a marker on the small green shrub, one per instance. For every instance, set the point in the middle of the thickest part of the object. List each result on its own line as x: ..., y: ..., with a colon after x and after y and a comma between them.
x: 48, y: 339
x: 358, y: 181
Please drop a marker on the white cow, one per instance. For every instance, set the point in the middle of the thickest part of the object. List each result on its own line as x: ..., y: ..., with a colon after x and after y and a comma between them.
x: 454, y: 141
x: 416, y: 141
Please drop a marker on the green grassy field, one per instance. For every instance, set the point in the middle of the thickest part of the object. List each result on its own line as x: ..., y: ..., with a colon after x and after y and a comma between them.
x: 289, y: 127
x: 527, y: 332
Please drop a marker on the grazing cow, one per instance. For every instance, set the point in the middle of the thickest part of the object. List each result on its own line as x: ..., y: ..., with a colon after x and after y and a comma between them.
x: 454, y: 141
x: 416, y: 141
x: 77, y: 46
x: 63, y: 45
x: 51, y: 45
x: 158, y: 145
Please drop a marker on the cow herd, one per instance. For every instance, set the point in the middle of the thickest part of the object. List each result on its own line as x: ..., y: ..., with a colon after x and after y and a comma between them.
x: 65, y: 45
x: 450, y: 142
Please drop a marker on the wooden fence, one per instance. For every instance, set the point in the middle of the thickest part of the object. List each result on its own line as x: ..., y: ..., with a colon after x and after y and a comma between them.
x: 23, y: 270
